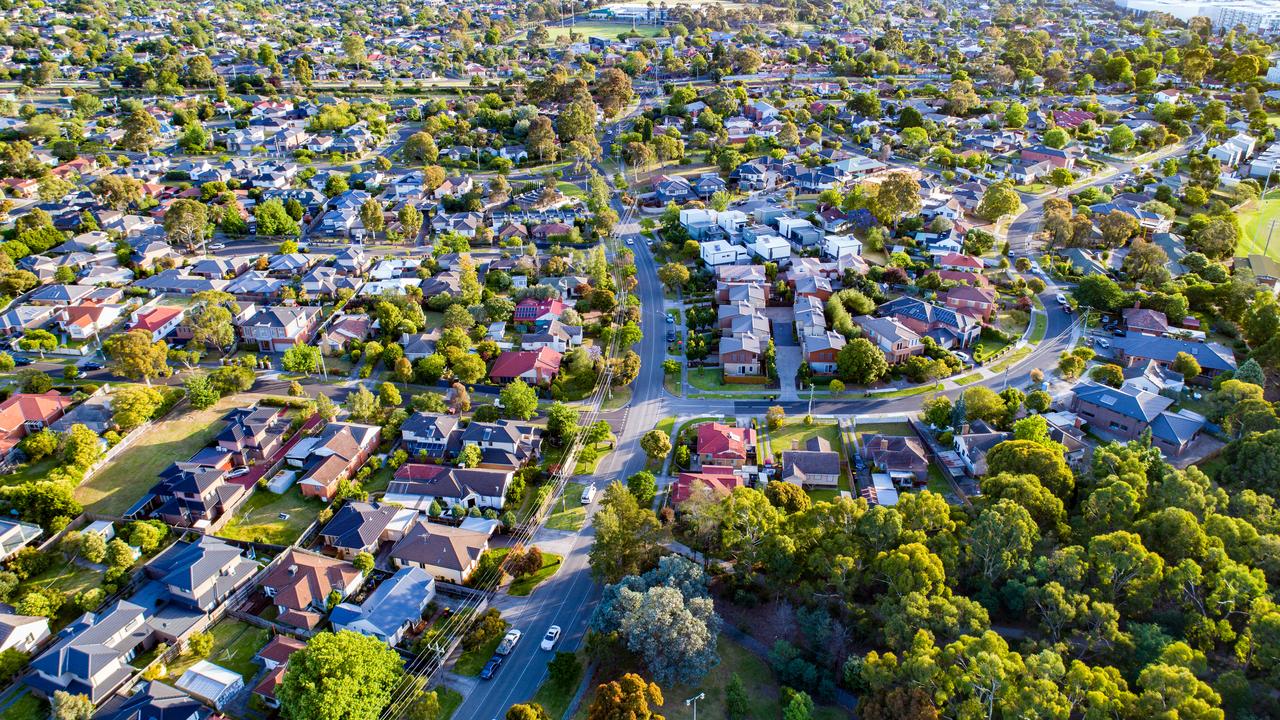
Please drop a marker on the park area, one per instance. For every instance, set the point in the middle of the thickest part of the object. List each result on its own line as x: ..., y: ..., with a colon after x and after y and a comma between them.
x: 599, y: 28
x: 1255, y: 226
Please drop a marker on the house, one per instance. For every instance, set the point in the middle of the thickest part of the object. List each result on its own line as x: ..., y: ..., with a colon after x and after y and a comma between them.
x: 1144, y: 321
x: 189, y: 495
x: 25, y: 413
x: 1213, y: 357
x: 417, y: 486
x: 202, y: 573
x: 946, y: 326
x: 212, y: 684
x: 420, y: 345
x: 903, y: 458
x: 159, y: 321
x: 91, y: 655
x: 300, y: 585
x: 278, y: 328
x: 504, y: 444
x: 1127, y: 412
x: 335, y: 454
x: 1234, y: 151
x: 21, y: 318
x: 718, y: 479
x: 359, y: 527
x: 959, y: 262
x: 556, y: 335
x: 820, y: 350
x: 16, y: 535
x: 721, y: 252
x: 1059, y: 158
x: 253, y: 434
x: 978, y: 303
x: 274, y: 658
x: 672, y: 189
x: 973, y: 443
x: 725, y: 445
x: 430, y: 435
x: 395, y: 606
x: 344, y: 330
x: 23, y: 633
x: 536, y: 367
x: 156, y: 701
x: 83, y: 322
x: 897, y: 341
x: 445, y: 552
x: 817, y: 465
x: 742, y: 356
x: 538, y: 312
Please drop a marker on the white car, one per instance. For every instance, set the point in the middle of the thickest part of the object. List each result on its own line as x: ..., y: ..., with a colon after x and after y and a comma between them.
x: 217, y: 246
x: 551, y: 638
x: 1104, y: 343
x: 1062, y: 299
x: 238, y: 472
x: 631, y: 241
x: 588, y: 494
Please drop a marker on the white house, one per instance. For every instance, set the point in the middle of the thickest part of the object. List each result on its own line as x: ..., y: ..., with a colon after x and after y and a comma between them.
x: 719, y: 252
x: 1234, y: 151
x: 771, y: 247
x: 837, y: 245
x: 22, y: 632
x: 732, y: 221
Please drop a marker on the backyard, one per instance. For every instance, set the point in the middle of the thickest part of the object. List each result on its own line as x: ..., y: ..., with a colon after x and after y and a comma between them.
x: 270, y: 518
x: 781, y: 440
x: 26, y: 707
x: 118, y: 485
x: 234, y: 645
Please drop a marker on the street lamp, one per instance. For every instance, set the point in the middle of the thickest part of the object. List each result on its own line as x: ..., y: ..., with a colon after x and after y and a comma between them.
x: 694, y: 702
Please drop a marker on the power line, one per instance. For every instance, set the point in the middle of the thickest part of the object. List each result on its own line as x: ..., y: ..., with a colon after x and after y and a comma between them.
x: 431, y: 659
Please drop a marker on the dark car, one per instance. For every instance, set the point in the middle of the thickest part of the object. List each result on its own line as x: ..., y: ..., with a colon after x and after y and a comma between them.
x: 491, y: 668
x: 1118, y: 332
x: 91, y: 366
x: 22, y: 361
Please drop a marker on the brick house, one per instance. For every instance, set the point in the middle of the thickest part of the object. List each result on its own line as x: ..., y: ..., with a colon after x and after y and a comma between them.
x: 725, y: 445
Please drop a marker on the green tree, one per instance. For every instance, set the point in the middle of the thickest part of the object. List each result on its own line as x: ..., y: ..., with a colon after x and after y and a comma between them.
x: 135, y: 356
x: 518, y: 400
x: 627, y: 536
x: 301, y: 358
x: 861, y: 362
x: 1187, y: 365
x: 66, y: 706
x: 200, y: 392
x: 1000, y: 199
x: 629, y: 697
x: 274, y: 220
x: 340, y: 676
x: 655, y: 444
x: 644, y: 487
x: 1121, y: 139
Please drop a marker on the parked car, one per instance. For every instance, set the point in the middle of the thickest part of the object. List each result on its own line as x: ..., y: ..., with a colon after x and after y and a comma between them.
x: 509, y: 642
x: 238, y: 472
x: 1062, y: 299
x: 1104, y: 343
x: 491, y: 668
x: 588, y: 494
x: 91, y: 365
x: 549, y: 640
x: 22, y: 361
x: 217, y: 246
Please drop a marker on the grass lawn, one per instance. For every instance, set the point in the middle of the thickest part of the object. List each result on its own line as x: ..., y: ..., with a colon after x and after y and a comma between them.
x: 938, y: 482
x: 1010, y: 359
x: 471, y: 662
x: 1033, y: 188
x: 259, y: 518
x: 568, y: 189
x: 120, y: 484
x: 67, y: 578
x: 1256, y: 223
x: 618, y: 398
x: 435, y: 320
x: 907, y: 391
x: 29, y: 472
x: 1042, y: 326
x: 671, y: 382
x: 450, y: 699
x: 569, y: 513
x: 966, y: 379
x: 521, y: 587
x: 26, y: 707
x: 555, y: 698
x: 762, y: 688
x: 379, y: 480
x: 234, y: 645
x: 710, y: 379
x: 988, y: 348
x: 781, y: 438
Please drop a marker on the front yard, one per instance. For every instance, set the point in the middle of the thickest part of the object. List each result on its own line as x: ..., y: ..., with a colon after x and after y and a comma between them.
x: 710, y: 379
x: 270, y: 518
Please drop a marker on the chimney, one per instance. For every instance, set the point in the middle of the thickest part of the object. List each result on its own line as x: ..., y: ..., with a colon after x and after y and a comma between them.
x: 795, y: 444
x: 964, y: 428
x: 293, y: 570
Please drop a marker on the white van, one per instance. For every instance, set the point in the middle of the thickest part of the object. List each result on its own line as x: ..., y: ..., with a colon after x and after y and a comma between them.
x: 588, y: 494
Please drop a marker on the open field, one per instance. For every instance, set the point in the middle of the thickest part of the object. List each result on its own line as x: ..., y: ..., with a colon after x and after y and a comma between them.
x: 120, y: 484
x: 1256, y: 224
x: 599, y: 28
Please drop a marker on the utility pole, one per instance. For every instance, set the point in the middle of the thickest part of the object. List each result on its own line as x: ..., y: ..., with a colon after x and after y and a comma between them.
x: 694, y: 702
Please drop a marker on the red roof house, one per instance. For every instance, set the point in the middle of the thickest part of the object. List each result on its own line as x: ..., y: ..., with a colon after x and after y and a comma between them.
x: 533, y: 366
x: 720, y: 444
x: 720, y: 480
x: 534, y: 311
x: 25, y: 413
x: 960, y: 262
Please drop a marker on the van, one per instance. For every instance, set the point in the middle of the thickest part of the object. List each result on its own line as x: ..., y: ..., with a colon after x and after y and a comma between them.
x: 588, y: 494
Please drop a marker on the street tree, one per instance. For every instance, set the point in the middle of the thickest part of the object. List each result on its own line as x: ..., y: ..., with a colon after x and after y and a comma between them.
x: 1000, y: 199
x: 340, y: 676
x: 655, y: 444
x: 186, y: 221
x: 518, y: 400
x: 135, y: 356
